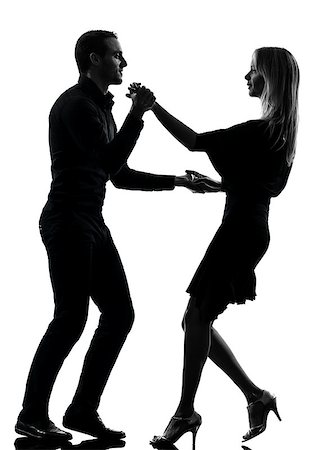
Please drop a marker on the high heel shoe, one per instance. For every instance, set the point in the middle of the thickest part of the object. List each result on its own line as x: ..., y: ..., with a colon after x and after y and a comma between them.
x: 176, y: 428
x: 258, y: 412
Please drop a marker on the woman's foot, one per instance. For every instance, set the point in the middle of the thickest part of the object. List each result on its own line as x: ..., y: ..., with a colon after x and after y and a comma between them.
x: 177, y: 427
x: 253, y: 395
x: 258, y: 411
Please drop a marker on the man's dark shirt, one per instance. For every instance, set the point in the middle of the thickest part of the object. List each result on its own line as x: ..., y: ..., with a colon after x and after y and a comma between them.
x: 86, y: 150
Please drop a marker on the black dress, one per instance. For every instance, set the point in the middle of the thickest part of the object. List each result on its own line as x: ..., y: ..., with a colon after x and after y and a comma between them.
x: 252, y: 172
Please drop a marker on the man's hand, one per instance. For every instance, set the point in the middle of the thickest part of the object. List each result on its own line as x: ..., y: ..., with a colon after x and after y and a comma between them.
x: 143, y: 99
x: 198, y: 183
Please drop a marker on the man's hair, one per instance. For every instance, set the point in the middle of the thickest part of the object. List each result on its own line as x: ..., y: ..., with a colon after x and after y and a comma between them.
x: 91, y: 42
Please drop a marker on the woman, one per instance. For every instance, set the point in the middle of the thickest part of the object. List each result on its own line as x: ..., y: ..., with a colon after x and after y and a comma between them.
x: 254, y: 160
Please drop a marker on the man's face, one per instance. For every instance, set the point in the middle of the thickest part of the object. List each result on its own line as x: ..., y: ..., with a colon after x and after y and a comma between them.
x: 113, y: 62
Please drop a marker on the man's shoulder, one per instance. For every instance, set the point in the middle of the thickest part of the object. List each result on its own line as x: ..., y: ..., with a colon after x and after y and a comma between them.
x: 72, y: 96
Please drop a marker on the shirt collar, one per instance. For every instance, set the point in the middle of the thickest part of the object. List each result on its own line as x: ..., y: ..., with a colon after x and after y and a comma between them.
x: 90, y: 87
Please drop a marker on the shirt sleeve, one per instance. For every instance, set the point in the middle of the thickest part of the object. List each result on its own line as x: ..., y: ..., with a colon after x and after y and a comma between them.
x: 83, y: 124
x: 128, y: 178
x: 225, y: 139
x: 208, y: 140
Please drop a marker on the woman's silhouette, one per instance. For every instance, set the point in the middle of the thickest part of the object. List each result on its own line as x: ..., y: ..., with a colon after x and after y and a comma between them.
x: 254, y: 160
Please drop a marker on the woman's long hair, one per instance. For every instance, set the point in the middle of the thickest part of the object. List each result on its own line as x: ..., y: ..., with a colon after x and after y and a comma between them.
x: 279, y: 98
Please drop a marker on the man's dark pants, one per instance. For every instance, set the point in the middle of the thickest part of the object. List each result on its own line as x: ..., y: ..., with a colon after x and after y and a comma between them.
x: 83, y: 263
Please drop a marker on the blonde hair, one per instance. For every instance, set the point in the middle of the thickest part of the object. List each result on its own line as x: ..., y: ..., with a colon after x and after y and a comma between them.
x: 279, y: 98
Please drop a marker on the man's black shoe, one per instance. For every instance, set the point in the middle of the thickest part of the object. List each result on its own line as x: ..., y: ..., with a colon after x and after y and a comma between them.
x: 89, y: 423
x: 42, y: 431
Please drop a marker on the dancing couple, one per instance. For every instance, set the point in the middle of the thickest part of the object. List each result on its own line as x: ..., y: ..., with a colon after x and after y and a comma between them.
x: 254, y: 160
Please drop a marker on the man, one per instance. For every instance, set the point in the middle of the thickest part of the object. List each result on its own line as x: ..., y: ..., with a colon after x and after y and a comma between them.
x: 86, y: 151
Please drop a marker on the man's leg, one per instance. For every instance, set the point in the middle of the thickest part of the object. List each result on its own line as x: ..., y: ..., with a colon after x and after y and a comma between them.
x: 111, y: 294
x: 70, y: 266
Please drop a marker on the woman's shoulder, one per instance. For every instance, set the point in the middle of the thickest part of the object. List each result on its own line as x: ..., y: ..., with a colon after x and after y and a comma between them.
x: 235, y: 135
x: 249, y: 125
x: 249, y: 132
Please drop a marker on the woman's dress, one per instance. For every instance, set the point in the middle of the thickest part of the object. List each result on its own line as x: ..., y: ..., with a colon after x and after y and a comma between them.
x: 252, y: 172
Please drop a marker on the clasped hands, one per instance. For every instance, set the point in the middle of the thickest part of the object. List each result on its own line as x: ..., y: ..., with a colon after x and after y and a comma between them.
x: 143, y: 100
x: 198, y: 183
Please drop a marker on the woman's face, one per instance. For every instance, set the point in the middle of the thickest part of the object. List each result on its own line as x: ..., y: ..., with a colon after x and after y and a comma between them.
x: 255, y: 81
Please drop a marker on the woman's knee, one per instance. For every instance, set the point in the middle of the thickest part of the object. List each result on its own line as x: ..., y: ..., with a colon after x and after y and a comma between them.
x: 191, y: 316
x: 194, y: 316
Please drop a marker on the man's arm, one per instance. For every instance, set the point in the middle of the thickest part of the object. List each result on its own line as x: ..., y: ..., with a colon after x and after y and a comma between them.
x: 128, y: 178
x: 83, y: 124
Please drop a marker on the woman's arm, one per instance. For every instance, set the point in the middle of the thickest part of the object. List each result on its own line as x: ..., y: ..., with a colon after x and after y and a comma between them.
x: 181, y: 132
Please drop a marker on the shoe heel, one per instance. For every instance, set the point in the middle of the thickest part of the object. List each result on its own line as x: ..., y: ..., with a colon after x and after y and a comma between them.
x: 275, y: 409
x: 194, y: 432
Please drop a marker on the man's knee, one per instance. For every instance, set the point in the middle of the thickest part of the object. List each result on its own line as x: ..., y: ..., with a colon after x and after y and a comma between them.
x: 125, y: 316
x: 69, y: 324
x: 128, y: 319
x: 120, y: 319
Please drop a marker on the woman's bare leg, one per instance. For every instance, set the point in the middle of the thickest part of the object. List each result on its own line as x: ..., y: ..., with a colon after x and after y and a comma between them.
x: 196, y: 349
x: 202, y: 341
x: 221, y: 354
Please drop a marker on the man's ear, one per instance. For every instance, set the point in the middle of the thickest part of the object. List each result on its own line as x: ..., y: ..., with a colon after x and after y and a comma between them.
x: 95, y: 59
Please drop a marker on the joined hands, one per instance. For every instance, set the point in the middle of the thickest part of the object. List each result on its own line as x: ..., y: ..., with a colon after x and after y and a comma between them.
x: 143, y: 99
x: 198, y: 183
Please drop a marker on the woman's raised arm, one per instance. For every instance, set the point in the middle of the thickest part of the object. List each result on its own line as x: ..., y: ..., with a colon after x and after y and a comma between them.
x: 181, y: 132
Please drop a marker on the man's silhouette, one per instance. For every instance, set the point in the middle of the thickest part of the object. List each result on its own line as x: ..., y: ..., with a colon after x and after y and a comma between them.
x: 86, y: 151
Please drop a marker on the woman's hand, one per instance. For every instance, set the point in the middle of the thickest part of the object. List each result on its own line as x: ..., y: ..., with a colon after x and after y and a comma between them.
x: 198, y: 183
x: 133, y: 89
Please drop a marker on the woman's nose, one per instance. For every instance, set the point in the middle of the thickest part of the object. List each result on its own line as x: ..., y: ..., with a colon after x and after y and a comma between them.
x: 247, y: 76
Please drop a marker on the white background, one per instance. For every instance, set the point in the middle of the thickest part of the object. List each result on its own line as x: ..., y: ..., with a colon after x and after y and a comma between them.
x: 194, y: 56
